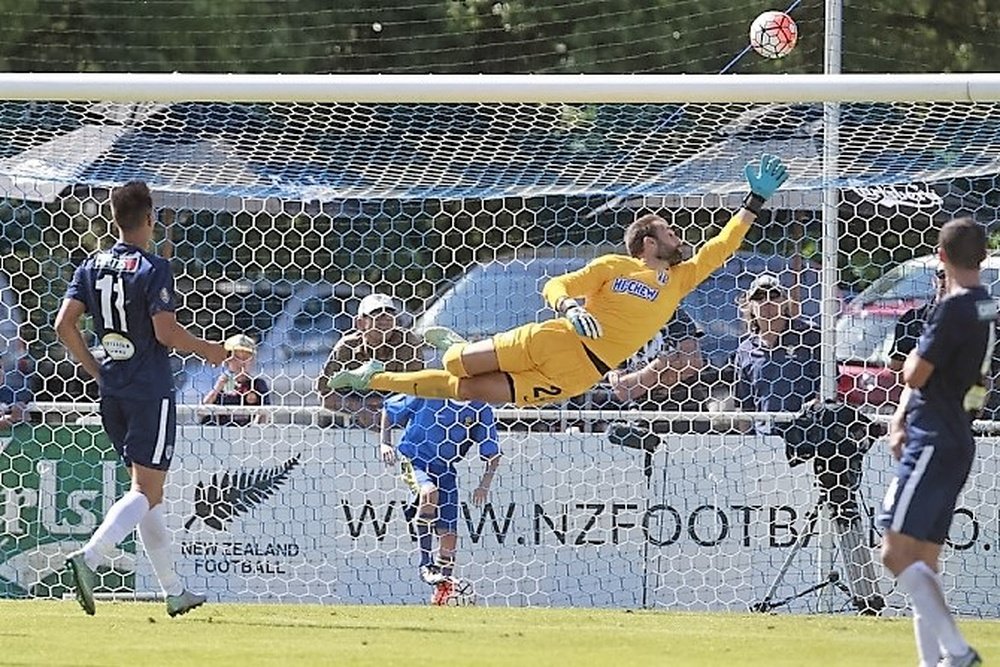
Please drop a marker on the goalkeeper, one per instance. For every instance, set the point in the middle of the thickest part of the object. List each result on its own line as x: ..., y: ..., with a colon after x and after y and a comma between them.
x: 627, y: 299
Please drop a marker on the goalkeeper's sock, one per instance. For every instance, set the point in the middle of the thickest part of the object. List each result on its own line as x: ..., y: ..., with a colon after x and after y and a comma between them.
x: 423, y: 526
x: 927, y: 597
x: 452, y: 361
x: 426, y: 383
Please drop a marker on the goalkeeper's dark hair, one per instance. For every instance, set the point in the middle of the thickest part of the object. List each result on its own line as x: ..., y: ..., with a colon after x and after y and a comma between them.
x: 638, y: 231
x: 131, y: 205
x: 964, y: 242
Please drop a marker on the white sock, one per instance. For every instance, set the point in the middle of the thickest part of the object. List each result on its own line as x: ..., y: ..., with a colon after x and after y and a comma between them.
x: 928, y: 647
x: 156, y: 541
x: 120, y: 520
x: 927, y: 597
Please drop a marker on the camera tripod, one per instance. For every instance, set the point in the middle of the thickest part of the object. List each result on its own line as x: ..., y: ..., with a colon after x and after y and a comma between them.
x: 860, y: 588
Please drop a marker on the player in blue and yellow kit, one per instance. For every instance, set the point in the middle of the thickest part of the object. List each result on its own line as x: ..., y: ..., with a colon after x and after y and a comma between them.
x: 628, y: 298
x: 129, y: 293
x: 438, y: 434
x: 931, y: 437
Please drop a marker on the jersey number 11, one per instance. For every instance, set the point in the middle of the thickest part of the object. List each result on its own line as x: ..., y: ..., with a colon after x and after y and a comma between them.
x: 112, y: 289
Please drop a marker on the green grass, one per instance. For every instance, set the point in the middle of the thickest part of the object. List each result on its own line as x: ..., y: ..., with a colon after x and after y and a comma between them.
x: 55, y: 633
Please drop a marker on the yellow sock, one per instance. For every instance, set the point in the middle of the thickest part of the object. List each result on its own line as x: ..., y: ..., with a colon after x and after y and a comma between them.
x: 452, y: 361
x: 427, y: 383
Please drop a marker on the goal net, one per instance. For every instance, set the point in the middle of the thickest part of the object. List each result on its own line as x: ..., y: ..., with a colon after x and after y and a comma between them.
x: 279, y: 218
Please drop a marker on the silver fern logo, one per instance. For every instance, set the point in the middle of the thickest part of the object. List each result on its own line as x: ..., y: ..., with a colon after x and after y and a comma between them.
x: 227, y: 495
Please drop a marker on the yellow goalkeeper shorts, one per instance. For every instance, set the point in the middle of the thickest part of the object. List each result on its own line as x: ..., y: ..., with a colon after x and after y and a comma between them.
x: 546, y: 361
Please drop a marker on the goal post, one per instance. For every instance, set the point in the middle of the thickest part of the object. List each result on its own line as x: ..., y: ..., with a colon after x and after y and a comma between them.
x: 283, y: 201
x: 501, y: 88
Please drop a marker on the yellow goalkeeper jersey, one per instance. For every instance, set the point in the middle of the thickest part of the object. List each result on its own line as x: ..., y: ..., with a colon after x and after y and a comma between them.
x: 633, y: 302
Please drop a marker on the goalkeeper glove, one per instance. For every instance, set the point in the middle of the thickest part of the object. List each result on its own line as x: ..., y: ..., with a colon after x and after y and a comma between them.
x: 584, y: 323
x: 764, y: 178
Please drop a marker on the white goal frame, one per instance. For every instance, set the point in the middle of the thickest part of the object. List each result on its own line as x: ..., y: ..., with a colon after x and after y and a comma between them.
x: 263, y: 448
x: 502, y: 88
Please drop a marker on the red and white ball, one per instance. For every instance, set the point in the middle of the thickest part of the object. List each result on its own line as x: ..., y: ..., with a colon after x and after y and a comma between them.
x: 773, y: 34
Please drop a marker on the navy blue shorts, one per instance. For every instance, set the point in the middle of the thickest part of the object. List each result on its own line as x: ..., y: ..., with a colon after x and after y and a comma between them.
x: 417, y: 474
x: 920, y: 501
x: 142, y: 431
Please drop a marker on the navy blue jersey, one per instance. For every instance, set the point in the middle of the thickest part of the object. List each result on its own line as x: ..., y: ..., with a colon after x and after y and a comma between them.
x: 122, y: 288
x: 780, y: 378
x: 908, y: 329
x: 958, y: 339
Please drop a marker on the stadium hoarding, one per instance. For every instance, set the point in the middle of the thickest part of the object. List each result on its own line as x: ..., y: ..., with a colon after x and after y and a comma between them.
x: 294, y: 514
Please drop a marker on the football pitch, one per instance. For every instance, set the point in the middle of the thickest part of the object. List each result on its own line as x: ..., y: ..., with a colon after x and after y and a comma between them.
x: 43, y: 632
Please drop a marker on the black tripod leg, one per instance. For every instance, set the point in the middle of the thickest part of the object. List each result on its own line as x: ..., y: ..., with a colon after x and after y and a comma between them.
x: 647, y: 471
x: 767, y: 604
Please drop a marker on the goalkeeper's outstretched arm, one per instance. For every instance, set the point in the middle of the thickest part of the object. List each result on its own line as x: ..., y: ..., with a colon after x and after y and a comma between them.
x: 764, y: 178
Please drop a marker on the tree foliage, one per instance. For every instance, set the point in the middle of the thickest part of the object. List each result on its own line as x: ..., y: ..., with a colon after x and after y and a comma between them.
x: 472, y: 36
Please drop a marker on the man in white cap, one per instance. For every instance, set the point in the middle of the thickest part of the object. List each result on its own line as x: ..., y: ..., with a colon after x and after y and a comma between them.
x: 377, y: 336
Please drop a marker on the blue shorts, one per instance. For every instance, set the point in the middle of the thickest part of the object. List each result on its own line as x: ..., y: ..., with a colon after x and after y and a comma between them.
x: 920, y: 501
x: 142, y: 431
x: 417, y: 474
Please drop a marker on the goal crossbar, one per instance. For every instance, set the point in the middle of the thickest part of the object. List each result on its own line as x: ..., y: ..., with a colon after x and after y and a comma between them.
x: 502, y: 88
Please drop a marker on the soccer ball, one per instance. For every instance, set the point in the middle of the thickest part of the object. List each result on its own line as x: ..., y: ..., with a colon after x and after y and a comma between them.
x: 773, y: 34
x: 462, y: 594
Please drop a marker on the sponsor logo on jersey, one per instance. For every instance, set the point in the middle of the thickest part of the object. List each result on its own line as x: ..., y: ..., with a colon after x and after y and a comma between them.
x: 635, y: 287
x: 118, y: 347
x: 986, y: 310
x: 120, y: 264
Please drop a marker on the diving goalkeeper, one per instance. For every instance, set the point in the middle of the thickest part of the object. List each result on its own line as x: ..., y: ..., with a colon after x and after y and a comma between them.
x: 627, y: 299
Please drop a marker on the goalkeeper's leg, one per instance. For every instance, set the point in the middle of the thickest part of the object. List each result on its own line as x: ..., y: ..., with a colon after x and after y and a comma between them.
x: 471, y: 373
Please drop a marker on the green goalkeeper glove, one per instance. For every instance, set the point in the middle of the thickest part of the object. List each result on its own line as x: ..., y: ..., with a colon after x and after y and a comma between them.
x: 584, y: 323
x: 764, y: 178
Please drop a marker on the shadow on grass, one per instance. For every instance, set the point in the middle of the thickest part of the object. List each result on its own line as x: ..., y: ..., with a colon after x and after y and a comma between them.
x: 322, y: 626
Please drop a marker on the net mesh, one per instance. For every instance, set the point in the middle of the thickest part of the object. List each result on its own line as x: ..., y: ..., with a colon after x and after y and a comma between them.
x: 280, y: 219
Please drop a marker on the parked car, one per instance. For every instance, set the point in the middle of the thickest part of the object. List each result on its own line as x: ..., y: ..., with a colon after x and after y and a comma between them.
x: 866, y: 330
x: 295, y: 324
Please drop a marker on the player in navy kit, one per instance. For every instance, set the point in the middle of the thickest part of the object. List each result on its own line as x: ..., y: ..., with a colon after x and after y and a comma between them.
x: 129, y: 293
x: 931, y: 437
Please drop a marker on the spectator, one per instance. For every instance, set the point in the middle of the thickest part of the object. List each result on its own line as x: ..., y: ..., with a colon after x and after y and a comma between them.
x: 15, y: 394
x: 237, y: 385
x: 777, y: 361
x: 665, y: 375
x: 657, y: 371
x: 778, y: 370
x: 377, y: 336
x: 911, y: 324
